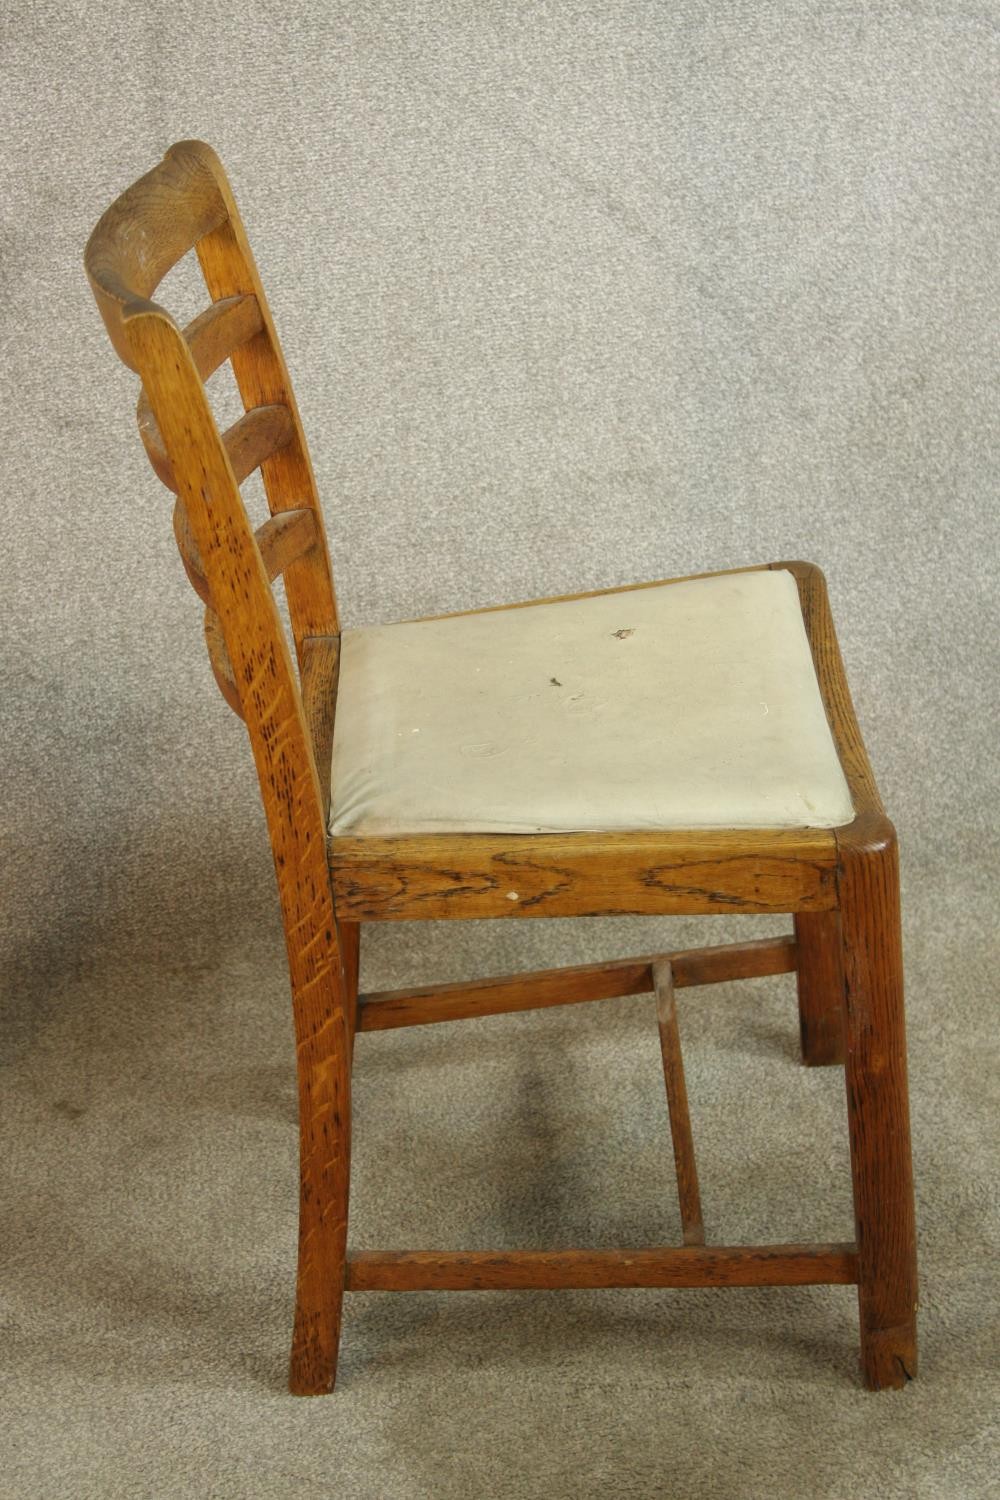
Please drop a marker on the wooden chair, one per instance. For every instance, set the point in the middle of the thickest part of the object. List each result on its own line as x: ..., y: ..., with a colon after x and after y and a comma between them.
x: 510, y: 795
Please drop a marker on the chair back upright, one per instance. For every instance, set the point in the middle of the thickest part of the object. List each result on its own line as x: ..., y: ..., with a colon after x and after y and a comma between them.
x: 186, y: 203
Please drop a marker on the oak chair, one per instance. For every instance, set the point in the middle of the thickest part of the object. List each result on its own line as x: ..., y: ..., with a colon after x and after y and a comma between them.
x: 681, y: 747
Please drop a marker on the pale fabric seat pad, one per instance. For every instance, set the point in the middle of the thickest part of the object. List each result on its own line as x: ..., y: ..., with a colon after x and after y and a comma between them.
x: 685, y: 705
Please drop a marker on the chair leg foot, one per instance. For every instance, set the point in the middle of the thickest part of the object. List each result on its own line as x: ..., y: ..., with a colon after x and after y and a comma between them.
x: 888, y: 1355
x: 820, y: 983
x: 315, y: 1346
x: 324, y: 1069
x: 319, y: 1292
x: 878, y: 1110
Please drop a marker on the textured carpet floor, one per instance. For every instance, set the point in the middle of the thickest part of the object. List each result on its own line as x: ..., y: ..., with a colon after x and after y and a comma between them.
x: 573, y: 294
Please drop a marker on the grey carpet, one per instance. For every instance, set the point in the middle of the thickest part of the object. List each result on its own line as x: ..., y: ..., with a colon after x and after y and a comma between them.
x: 574, y: 294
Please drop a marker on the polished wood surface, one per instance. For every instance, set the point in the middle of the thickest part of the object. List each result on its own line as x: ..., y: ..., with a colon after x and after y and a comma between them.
x: 878, y: 1104
x: 494, y: 1270
x: 538, y: 989
x: 320, y: 660
x: 840, y: 886
x: 255, y: 665
x: 688, y: 1192
x: 820, y: 983
x: 684, y: 873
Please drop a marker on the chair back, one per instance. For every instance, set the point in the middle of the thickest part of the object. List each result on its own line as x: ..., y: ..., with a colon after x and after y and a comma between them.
x: 186, y: 203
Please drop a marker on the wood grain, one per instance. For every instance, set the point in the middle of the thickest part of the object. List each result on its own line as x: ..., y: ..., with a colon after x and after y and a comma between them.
x: 281, y: 539
x: 841, y: 886
x: 541, y: 988
x: 820, y: 988
x: 212, y: 337
x: 271, y: 705
x: 146, y: 231
x: 320, y: 676
x: 258, y: 434
x: 186, y: 202
x: 434, y: 876
x: 688, y: 1192
x: 230, y: 270
x: 222, y: 667
x: 833, y: 685
x: 492, y: 1270
x: 218, y: 331
x: 878, y: 1105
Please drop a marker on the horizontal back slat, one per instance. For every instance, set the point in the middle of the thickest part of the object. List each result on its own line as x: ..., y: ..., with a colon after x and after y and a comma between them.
x: 259, y: 433
x: 186, y: 204
x: 286, y: 537
x: 282, y: 540
x: 212, y: 337
x: 222, y: 667
x: 221, y: 329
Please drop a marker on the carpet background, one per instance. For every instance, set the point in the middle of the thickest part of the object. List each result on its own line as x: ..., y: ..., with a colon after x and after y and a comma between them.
x: 573, y: 295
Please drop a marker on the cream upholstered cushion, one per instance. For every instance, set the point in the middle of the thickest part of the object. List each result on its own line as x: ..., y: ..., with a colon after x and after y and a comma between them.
x: 684, y: 705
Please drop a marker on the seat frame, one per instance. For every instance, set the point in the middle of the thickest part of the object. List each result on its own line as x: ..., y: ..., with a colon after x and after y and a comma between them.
x: 839, y: 885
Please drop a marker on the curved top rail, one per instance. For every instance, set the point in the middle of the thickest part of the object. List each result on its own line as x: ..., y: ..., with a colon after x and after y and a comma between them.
x: 148, y: 229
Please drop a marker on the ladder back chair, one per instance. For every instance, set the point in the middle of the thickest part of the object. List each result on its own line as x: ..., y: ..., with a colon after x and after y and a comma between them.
x: 681, y: 747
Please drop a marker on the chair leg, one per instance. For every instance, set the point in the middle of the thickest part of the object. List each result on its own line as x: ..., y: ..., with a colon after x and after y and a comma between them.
x: 324, y: 1071
x: 821, y: 987
x: 878, y: 1110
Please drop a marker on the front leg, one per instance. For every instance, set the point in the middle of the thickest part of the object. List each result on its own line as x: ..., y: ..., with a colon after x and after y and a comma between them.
x: 820, y: 981
x: 878, y: 1107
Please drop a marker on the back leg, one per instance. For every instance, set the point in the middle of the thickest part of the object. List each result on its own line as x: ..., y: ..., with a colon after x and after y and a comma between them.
x: 821, y: 987
x: 324, y: 1073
